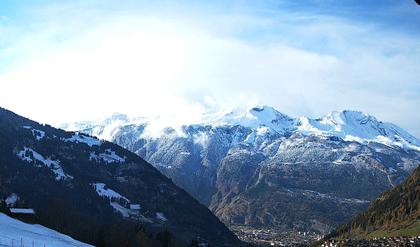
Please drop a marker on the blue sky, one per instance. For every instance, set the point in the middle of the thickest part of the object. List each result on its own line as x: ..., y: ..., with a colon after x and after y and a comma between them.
x: 92, y: 58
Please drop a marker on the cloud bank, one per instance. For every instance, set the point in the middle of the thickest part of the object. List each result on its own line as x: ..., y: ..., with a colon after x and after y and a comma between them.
x: 68, y: 62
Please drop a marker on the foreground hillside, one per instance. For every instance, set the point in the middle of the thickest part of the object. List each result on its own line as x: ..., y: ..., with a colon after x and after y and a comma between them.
x: 15, y: 232
x: 259, y: 169
x: 394, y: 213
x: 96, y: 191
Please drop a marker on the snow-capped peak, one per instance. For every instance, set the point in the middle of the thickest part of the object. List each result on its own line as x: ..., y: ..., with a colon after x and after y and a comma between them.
x: 357, y: 126
x: 255, y: 118
x: 348, y: 117
x: 348, y: 125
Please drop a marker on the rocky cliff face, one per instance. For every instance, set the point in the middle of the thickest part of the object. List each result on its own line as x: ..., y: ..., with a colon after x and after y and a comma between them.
x: 261, y: 168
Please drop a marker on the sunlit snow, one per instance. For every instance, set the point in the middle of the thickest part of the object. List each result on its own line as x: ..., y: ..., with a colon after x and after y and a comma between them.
x: 38, y: 134
x: 27, y: 154
x: 78, y: 138
x: 14, y: 232
x: 108, y: 156
x: 104, y: 191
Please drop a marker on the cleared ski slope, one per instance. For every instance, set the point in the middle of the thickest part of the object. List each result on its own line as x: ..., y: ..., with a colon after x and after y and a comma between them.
x: 17, y: 233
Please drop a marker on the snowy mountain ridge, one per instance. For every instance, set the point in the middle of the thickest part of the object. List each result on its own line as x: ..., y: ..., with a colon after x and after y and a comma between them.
x: 266, y: 120
x: 359, y: 127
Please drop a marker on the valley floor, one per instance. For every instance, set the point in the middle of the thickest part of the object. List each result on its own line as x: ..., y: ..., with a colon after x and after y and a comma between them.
x: 386, y: 241
x: 274, y: 237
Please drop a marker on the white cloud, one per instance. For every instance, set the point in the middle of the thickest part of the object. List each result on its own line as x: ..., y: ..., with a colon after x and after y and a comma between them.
x: 201, y: 139
x: 143, y: 63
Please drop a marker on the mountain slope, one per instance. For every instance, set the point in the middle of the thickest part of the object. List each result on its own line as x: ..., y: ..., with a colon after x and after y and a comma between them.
x: 263, y: 169
x: 12, y: 230
x: 394, y: 213
x: 96, y: 191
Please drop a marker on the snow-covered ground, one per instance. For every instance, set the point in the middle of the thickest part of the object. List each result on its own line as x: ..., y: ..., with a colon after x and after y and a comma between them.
x: 54, y: 165
x: 160, y: 216
x: 38, y: 134
x: 108, y: 156
x: 116, y: 199
x: 14, y: 233
x: 77, y: 138
x: 104, y: 191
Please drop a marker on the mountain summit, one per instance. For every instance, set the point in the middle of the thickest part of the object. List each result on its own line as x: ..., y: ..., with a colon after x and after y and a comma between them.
x: 256, y: 118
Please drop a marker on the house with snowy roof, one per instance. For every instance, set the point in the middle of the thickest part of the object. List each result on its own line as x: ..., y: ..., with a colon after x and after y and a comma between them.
x: 23, y: 214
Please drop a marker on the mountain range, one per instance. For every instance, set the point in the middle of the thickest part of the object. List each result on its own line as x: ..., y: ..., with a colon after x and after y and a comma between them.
x: 96, y: 191
x: 259, y: 168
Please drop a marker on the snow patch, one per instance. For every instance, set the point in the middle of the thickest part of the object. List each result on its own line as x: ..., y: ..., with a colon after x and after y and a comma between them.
x: 262, y: 131
x: 103, y: 191
x: 120, y: 203
x: 391, y: 170
x: 250, y: 138
x: 27, y: 154
x: 352, y: 147
x: 160, y: 216
x: 78, y: 138
x: 135, y: 206
x: 38, y: 134
x: 125, y: 212
x: 24, y: 154
x: 108, y: 156
x: 351, y: 138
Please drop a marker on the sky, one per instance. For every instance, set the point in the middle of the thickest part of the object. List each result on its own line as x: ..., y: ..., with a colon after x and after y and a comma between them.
x: 66, y: 61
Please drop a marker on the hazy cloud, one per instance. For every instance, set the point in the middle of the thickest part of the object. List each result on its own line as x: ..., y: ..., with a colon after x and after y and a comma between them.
x: 67, y: 62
